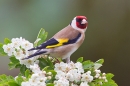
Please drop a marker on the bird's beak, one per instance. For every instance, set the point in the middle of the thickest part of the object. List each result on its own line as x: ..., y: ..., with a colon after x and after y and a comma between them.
x: 83, y: 21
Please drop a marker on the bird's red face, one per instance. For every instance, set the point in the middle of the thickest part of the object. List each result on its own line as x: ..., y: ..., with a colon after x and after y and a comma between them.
x: 81, y: 22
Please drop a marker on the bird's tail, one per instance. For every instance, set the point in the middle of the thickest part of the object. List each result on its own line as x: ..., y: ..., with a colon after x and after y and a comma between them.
x: 32, y: 49
x: 36, y: 48
x: 35, y: 54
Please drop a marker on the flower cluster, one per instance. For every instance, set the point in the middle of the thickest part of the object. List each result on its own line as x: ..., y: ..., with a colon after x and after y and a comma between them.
x: 19, y: 48
x: 43, y: 70
x: 68, y: 74
x: 38, y: 78
x: 71, y: 74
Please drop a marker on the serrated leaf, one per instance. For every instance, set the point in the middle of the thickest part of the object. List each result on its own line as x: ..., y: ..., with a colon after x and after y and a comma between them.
x: 2, y: 50
x: 18, y: 66
x: 97, y: 66
x: 1, y: 46
x: 19, y: 80
x: 42, y: 35
x: 41, y: 32
x: 23, y: 69
x: 11, y: 65
x: 27, y: 73
x: 14, y: 60
x: 80, y: 59
x: 6, y: 41
x: 100, y: 61
x: 14, y: 63
x: 109, y: 76
x: 42, y: 63
x: 110, y: 82
x: 87, y: 64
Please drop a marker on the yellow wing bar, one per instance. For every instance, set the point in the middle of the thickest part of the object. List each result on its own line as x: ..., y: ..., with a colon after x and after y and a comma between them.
x: 60, y: 43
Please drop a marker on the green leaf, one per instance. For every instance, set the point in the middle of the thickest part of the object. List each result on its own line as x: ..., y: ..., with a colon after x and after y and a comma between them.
x: 50, y: 64
x: 92, y: 84
x: 19, y: 80
x: 50, y: 84
x: 110, y: 81
x: 14, y: 63
x: 18, y: 66
x: 14, y: 60
x: 87, y: 64
x: 13, y: 83
x: 46, y: 68
x: 100, y: 61
x: 42, y: 63
x: 7, y: 80
x: 80, y: 59
x: 97, y: 65
x: 2, y: 50
x: 109, y: 84
x: 7, y: 41
x: 23, y: 69
x: 42, y: 35
x: 11, y: 65
x: 27, y: 73
x: 109, y: 76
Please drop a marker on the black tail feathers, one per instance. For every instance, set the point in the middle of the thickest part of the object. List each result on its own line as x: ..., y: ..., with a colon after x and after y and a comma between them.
x: 35, y: 54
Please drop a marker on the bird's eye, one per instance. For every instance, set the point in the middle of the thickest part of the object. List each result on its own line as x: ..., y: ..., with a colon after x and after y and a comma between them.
x: 78, y: 20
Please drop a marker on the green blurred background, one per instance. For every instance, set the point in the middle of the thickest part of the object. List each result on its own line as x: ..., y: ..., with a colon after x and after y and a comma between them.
x: 107, y: 35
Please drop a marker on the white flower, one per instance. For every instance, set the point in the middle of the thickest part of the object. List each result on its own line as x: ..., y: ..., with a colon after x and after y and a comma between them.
x: 72, y: 84
x: 18, y: 54
x: 16, y: 43
x: 87, y: 77
x: 38, y: 77
x: 8, y: 49
x: 70, y: 76
x: 63, y: 66
x: 61, y: 82
x: 49, y: 73
x: 25, y: 84
x: 57, y: 67
x: 71, y: 65
x: 26, y: 45
x: 60, y: 66
x: 84, y: 84
x: 28, y: 62
x: 60, y: 74
x: 35, y: 68
x: 73, y: 75
x: 97, y: 75
x: 49, y: 77
x: 79, y: 66
x: 97, y: 71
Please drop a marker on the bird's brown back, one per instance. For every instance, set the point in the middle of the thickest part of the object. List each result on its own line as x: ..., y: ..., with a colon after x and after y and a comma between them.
x: 67, y: 33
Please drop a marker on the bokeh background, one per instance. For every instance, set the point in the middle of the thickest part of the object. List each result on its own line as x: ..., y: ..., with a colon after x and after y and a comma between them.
x: 107, y: 36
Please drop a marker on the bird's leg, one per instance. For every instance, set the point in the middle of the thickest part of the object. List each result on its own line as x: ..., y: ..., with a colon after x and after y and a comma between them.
x: 57, y: 60
x: 67, y: 60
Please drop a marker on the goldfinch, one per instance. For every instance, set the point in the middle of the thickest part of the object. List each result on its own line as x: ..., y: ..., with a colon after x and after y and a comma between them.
x: 64, y: 43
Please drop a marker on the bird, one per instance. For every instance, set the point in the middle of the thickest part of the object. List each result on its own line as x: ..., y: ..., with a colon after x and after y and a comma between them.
x: 65, y: 42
